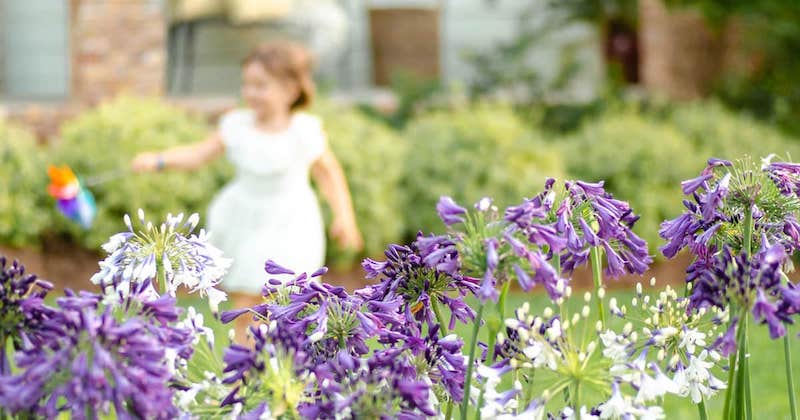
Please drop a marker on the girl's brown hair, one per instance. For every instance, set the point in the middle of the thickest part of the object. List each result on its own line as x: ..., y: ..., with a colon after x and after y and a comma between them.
x: 289, y: 61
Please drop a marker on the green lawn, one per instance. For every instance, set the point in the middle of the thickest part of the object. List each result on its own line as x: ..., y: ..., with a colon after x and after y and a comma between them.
x: 767, y: 363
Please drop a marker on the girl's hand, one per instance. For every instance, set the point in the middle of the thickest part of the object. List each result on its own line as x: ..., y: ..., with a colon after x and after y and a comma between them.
x: 146, y: 162
x: 346, y: 234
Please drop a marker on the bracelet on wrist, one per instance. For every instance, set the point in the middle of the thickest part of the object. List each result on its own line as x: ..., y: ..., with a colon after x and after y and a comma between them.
x: 160, y: 163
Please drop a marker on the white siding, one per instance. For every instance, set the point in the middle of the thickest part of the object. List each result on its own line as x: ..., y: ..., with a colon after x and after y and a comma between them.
x: 464, y: 25
x: 479, y: 24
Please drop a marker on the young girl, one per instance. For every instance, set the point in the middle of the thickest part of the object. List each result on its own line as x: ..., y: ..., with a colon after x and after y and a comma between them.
x: 269, y: 211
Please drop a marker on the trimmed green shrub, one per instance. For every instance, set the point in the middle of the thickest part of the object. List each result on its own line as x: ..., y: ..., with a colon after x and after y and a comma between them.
x: 372, y: 157
x: 641, y: 160
x: 720, y: 132
x: 23, y: 189
x: 469, y: 153
x: 102, y: 142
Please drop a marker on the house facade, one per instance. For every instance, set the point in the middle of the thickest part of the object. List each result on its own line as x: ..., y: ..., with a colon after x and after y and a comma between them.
x: 59, y: 56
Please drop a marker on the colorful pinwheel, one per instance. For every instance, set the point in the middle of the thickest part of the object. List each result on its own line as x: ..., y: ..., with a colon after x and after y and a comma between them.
x: 73, y: 200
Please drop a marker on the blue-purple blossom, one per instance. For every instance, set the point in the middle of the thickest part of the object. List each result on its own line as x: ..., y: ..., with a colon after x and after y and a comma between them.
x: 437, y: 358
x: 717, y: 200
x: 270, y: 376
x: 326, y: 317
x: 414, y: 278
x: 610, y: 227
x: 754, y: 283
x: 449, y: 211
x: 21, y: 301
x: 88, y: 362
x: 383, y: 386
x: 587, y: 217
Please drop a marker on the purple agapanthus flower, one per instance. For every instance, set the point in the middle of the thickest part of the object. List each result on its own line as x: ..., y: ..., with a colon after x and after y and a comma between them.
x: 414, y: 278
x: 610, y: 227
x: 383, y: 386
x: 718, y: 198
x: 21, y: 300
x: 441, y: 359
x: 87, y: 362
x: 449, y: 211
x: 326, y: 317
x: 753, y: 283
x: 276, y: 354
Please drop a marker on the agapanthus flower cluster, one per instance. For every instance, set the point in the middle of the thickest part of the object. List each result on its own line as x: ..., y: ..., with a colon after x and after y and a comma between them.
x: 171, y: 251
x: 602, y: 373
x: 716, y: 205
x: 375, y: 387
x: 89, y: 363
x: 21, y: 297
x: 417, y: 281
x: 411, y: 377
x: 270, y: 378
x: 753, y: 283
x: 735, y: 264
x: 325, y: 330
x: 661, y: 331
x: 496, y: 249
x: 587, y: 217
x: 327, y: 317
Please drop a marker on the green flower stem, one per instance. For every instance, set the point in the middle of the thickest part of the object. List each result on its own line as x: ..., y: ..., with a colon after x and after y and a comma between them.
x: 501, y: 302
x: 443, y: 331
x: 449, y: 413
x: 468, y: 377
x: 529, y: 389
x: 726, y: 412
x: 439, y: 318
x: 701, y: 408
x: 742, y: 405
x: 787, y: 359
x: 494, y: 328
x: 748, y: 244
x: 748, y: 231
x: 161, y: 275
x: 597, y: 274
x: 577, y: 401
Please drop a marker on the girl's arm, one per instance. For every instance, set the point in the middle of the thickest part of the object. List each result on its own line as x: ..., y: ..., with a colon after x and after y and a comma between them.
x: 328, y: 175
x: 192, y: 156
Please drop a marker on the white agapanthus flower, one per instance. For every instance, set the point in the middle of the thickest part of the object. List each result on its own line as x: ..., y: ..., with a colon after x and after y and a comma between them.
x: 691, y: 338
x: 621, y: 406
x: 696, y: 380
x: 141, y: 263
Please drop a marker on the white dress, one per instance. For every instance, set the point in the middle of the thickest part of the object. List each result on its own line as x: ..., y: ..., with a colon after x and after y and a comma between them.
x: 268, y: 210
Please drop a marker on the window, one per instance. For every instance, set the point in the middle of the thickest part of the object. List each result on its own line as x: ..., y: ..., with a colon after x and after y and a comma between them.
x: 205, y: 54
x: 34, y: 49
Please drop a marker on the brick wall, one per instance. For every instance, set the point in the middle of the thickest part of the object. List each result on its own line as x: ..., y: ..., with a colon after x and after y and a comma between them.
x: 115, y: 46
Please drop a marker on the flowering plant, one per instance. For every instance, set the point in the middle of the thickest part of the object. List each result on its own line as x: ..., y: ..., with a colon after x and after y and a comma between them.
x: 392, y: 349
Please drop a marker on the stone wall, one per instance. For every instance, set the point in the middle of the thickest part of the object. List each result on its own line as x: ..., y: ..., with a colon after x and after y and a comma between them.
x: 117, y: 45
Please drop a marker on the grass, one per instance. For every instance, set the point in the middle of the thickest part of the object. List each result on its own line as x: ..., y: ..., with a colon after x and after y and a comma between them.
x: 767, y: 366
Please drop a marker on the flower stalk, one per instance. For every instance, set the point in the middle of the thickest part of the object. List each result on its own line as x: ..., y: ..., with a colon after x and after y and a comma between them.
x: 597, y: 275
x: 471, y: 360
